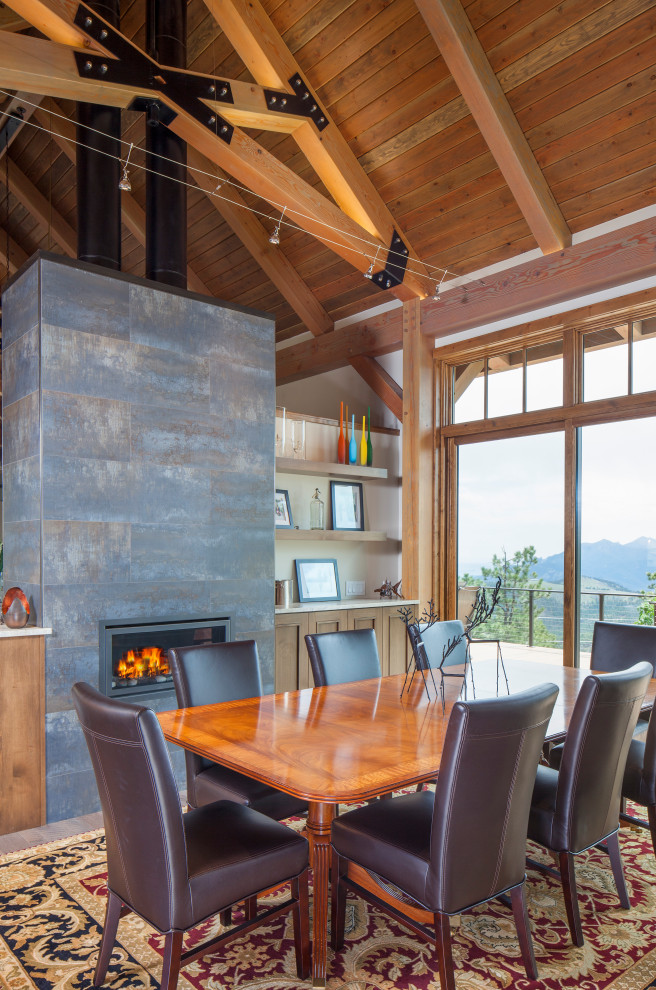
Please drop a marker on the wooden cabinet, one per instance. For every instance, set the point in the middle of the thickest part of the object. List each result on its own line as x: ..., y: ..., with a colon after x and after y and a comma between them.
x: 22, y: 732
x: 292, y: 662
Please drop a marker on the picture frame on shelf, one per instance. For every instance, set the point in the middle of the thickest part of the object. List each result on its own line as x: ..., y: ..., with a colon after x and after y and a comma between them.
x: 283, y: 509
x: 346, y: 505
x: 317, y: 580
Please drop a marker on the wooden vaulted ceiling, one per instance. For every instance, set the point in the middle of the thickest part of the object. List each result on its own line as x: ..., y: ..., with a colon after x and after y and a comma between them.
x: 478, y: 129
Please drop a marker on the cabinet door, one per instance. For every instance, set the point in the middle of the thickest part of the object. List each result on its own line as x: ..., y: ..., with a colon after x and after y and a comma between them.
x: 397, y: 648
x: 291, y: 653
x: 370, y: 618
x: 22, y: 733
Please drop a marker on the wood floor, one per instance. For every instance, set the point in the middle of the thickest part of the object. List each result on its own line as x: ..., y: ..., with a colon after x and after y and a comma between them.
x: 48, y: 833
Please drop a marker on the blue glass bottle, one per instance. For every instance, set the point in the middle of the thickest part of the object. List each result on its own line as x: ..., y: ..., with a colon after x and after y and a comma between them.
x: 353, y: 447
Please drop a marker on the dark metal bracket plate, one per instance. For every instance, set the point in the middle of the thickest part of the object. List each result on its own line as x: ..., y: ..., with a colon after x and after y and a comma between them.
x: 394, y: 271
x: 131, y: 67
x: 299, y: 102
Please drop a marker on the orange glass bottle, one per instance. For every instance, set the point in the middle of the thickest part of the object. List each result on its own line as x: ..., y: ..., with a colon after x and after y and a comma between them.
x: 341, y: 442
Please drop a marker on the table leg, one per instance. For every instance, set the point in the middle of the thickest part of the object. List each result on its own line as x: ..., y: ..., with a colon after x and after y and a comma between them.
x: 319, y: 820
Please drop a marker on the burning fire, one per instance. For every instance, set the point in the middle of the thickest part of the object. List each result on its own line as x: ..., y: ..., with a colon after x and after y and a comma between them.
x: 148, y: 662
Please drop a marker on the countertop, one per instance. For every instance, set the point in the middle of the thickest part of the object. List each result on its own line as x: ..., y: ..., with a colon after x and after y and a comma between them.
x: 346, y: 603
x: 7, y: 633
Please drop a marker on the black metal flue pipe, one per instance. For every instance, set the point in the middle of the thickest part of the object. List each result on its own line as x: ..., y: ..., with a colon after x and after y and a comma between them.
x: 98, y: 172
x: 166, y: 154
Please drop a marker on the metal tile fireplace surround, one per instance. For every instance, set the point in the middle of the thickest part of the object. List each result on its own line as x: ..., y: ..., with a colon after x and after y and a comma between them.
x: 132, y: 653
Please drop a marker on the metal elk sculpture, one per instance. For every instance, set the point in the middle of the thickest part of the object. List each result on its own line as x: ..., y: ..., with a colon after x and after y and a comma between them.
x: 416, y: 627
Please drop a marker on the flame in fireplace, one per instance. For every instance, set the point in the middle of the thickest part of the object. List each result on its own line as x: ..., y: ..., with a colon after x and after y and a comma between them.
x: 148, y: 662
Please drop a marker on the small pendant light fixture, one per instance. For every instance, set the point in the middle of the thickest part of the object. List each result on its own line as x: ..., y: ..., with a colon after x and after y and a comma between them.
x: 370, y: 270
x: 124, y: 183
x: 436, y: 293
x: 275, y: 236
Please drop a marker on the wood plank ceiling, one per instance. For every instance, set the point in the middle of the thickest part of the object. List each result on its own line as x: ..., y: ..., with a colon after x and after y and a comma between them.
x: 562, y: 137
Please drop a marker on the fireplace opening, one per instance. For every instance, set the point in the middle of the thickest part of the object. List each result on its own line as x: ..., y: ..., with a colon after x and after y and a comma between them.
x: 133, y: 654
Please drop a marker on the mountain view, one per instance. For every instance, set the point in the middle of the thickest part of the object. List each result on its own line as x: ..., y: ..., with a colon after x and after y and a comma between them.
x: 621, y: 566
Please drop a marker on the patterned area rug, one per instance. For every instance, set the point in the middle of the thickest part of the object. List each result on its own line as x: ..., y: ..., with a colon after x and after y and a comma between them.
x: 52, y: 901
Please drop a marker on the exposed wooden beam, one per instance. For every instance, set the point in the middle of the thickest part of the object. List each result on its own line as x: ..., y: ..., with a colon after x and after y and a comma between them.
x: 133, y: 216
x: 43, y: 67
x: 380, y: 335
x: 469, y: 66
x: 17, y: 256
x: 382, y: 383
x: 467, y: 375
x: 255, y: 239
x: 590, y: 266
x: 38, y: 206
x: 417, y: 499
x: 24, y: 104
x: 270, y: 62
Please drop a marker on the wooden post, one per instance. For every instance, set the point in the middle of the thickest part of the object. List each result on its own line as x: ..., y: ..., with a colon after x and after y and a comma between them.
x: 418, y: 438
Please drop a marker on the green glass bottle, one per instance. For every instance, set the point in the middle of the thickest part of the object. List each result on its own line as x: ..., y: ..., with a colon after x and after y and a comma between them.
x: 370, y: 450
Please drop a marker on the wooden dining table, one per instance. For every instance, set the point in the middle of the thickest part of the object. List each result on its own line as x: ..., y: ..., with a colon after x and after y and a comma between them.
x: 349, y: 742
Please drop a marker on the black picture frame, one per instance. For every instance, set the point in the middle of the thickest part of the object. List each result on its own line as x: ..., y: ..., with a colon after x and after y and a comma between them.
x: 346, y: 505
x: 282, y: 509
x: 317, y: 580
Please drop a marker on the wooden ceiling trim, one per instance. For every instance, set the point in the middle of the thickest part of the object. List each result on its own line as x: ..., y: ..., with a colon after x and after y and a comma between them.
x: 466, y: 220
x: 132, y: 214
x: 480, y: 12
x: 378, y: 336
x: 621, y: 207
x: 585, y: 203
x: 475, y: 175
x: 270, y: 259
x: 424, y: 130
x: 562, y: 88
x: 265, y: 54
x: 590, y: 112
x: 381, y: 383
x: 462, y: 139
x: 309, y: 24
x: 380, y: 77
x: 326, y: 64
x: 466, y: 59
x: 541, y: 24
x: 598, y: 165
x: 590, y: 266
x: 601, y: 22
x: 43, y: 212
x: 404, y: 120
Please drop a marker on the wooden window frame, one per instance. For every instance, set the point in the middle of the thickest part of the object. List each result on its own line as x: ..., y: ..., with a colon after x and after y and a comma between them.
x: 566, y: 418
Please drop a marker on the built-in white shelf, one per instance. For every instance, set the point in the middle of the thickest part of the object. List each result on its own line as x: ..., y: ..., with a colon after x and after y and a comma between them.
x: 292, y: 465
x: 353, y: 536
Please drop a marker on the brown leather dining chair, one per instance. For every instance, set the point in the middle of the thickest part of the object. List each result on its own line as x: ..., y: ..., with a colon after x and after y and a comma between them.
x: 208, y: 674
x: 617, y: 646
x: 172, y: 869
x: 341, y: 657
x: 438, y: 855
x: 639, y: 781
x: 577, y: 806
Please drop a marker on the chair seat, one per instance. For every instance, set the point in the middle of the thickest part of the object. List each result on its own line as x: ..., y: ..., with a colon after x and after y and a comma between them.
x: 395, y: 832
x: 237, y: 851
x: 219, y: 783
x: 543, y: 807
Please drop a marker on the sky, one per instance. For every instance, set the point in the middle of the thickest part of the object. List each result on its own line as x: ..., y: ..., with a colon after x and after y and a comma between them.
x: 511, y: 491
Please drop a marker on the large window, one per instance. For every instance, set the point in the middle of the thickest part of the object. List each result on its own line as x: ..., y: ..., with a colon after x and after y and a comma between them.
x: 549, y: 478
x: 510, y: 525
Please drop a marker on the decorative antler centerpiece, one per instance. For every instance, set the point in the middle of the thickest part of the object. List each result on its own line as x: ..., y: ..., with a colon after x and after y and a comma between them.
x: 417, y: 626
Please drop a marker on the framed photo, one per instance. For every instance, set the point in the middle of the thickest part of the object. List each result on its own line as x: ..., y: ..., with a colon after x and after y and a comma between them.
x: 318, y: 581
x: 283, y: 510
x: 346, y: 505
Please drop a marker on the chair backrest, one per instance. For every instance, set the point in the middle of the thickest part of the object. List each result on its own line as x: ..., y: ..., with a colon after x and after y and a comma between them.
x: 594, y: 756
x: 483, y: 796
x: 429, y: 643
x: 617, y: 646
x: 209, y: 673
x: 214, y: 672
x: 340, y: 657
x: 146, y: 850
x: 649, y: 762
